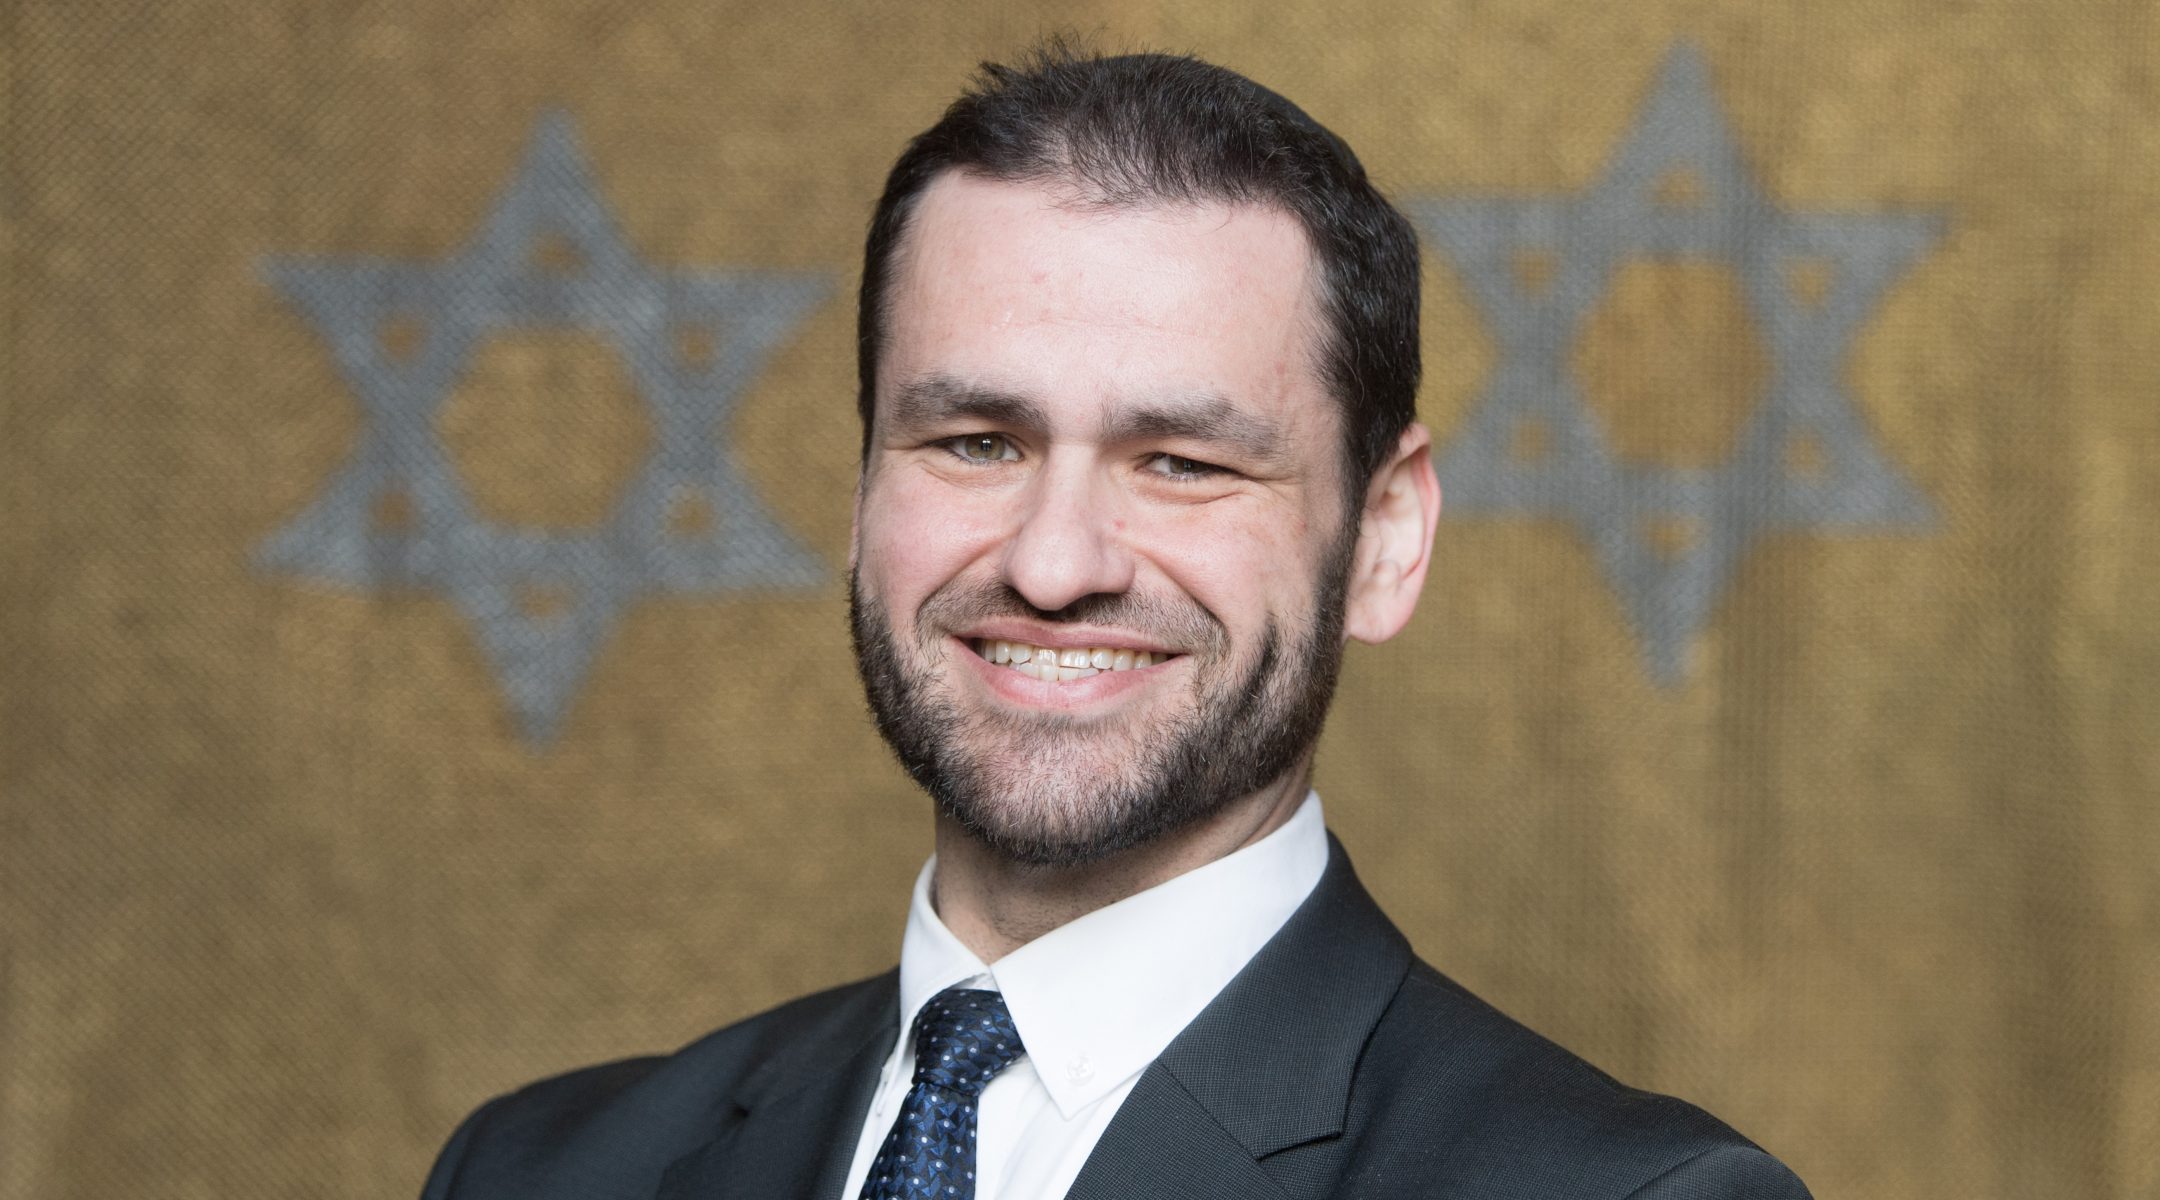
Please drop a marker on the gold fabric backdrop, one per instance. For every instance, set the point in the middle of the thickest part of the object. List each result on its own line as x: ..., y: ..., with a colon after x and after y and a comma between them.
x: 426, y: 463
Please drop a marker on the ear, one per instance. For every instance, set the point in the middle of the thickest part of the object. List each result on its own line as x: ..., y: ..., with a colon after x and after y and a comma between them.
x: 1394, y: 544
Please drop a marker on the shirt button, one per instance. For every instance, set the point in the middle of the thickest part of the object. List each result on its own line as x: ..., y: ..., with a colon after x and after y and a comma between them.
x: 1079, y: 1069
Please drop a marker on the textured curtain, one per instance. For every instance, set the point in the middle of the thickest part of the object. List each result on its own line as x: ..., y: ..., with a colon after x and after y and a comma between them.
x: 426, y: 443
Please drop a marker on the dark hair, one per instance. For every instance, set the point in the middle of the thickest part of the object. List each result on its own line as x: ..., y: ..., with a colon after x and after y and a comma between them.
x: 1138, y: 128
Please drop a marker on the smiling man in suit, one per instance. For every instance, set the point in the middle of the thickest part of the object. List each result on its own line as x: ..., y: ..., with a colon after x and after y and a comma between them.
x: 1139, y: 356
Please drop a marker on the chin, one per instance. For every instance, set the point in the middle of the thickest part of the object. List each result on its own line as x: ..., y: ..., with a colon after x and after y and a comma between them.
x: 1037, y: 813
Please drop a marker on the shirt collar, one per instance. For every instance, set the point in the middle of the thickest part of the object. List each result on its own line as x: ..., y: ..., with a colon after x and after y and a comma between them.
x: 1097, y: 999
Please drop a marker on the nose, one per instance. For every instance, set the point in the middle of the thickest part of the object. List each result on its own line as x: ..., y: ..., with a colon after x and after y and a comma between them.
x: 1067, y: 544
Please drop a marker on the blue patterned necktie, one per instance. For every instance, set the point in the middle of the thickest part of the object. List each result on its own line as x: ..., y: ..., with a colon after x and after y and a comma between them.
x: 962, y: 1040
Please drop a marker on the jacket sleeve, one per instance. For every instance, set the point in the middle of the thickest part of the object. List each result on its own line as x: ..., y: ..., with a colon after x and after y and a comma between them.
x: 443, y: 1179
x: 1727, y: 1172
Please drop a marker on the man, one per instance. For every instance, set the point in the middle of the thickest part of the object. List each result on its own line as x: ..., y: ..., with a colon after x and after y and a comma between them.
x: 1139, y: 355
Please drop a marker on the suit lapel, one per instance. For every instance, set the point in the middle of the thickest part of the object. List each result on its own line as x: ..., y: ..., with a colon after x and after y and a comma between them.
x: 1163, y: 1145
x: 1268, y: 1065
x: 1265, y: 1067
x: 793, y: 1129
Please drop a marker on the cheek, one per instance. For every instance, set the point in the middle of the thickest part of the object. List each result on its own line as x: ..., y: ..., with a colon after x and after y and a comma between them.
x: 913, y: 539
x: 1242, y: 571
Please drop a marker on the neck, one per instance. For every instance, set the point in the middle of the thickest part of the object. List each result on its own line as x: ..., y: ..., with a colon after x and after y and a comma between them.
x: 995, y: 905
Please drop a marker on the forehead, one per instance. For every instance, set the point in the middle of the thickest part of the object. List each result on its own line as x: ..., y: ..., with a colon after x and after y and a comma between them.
x: 1019, y: 288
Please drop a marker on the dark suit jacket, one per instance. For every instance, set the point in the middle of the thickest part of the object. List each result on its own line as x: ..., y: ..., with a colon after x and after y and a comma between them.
x: 1335, y: 1064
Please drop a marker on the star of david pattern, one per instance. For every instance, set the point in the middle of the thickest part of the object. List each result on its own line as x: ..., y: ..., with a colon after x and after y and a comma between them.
x: 493, y: 572
x: 1804, y: 459
x: 963, y: 1038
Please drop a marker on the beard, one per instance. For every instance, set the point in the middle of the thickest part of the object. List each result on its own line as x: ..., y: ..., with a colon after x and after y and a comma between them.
x: 1054, y: 790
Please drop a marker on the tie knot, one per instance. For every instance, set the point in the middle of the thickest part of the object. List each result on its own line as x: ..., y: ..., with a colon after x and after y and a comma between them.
x: 963, y: 1038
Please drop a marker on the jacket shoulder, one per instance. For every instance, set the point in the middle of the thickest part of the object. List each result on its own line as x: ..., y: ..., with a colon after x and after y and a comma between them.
x: 612, y: 1129
x: 1453, y: 1095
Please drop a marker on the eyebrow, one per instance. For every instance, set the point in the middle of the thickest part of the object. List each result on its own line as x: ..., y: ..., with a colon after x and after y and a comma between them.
x: 937, y: 399
x: 1204, y: 417
x: 1201, y: 417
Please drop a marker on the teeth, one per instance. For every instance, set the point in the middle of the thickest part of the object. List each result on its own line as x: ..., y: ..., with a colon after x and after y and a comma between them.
x: 1043, y: 662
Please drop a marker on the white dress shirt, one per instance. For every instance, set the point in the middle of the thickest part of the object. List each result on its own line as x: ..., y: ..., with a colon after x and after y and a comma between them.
x: 1095, y: 1002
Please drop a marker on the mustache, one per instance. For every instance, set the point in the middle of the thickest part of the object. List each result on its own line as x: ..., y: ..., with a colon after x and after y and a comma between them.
x: 1172, y: 622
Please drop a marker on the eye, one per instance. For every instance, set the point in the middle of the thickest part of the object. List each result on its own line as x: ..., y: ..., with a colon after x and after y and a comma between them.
x: 1172, y: 466
x: 984, y: 448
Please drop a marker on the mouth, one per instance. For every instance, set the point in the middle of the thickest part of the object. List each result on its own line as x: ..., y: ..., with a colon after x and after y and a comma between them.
x: 1057, y: 665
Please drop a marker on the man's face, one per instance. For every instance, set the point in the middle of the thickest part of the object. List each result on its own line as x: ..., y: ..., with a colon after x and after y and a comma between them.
x: 1101, y: 449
